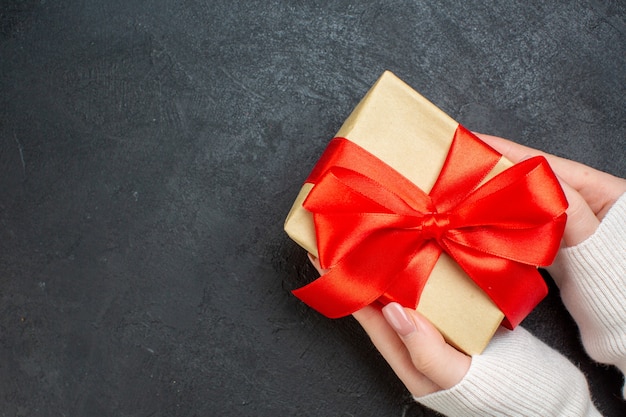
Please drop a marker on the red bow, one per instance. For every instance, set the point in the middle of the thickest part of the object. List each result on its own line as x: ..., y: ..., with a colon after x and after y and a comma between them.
x: 381, y: 235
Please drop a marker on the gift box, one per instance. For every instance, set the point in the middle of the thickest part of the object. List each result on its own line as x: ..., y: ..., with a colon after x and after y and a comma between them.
x: 407, y: 205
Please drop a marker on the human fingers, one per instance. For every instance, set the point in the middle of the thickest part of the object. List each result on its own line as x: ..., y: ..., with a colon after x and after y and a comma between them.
x: 405, y: 343
x: 393, y: 350
x: 599, y: 189
x: 430, y: 354
x: 575, y: 173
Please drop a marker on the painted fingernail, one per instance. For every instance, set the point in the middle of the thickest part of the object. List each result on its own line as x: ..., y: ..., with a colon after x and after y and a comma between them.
x: 398, y: 319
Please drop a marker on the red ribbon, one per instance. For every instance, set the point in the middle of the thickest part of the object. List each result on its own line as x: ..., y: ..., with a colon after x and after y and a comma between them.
x: 381, y: 235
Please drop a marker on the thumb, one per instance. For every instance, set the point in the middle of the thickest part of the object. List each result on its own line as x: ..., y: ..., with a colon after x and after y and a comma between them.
x: 430, y: 354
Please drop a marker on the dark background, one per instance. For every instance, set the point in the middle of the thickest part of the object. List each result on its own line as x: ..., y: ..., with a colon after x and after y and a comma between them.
x: 149, y: 152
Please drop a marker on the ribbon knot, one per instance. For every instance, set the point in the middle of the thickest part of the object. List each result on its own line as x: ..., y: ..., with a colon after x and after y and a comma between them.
x: 366, y: 215
x: 434, y: 225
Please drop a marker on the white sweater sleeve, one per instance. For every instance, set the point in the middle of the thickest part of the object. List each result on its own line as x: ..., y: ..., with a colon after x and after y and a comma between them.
x: 592, y: 280
x: 518, y: 375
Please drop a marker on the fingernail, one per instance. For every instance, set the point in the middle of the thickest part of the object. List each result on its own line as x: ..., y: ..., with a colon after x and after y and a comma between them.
x: 524, y: 158
x: 398, y: 319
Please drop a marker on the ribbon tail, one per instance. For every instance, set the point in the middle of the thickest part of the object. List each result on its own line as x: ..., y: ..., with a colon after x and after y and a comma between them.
x: 368, y: 272
x: 516, y: 288
x: 334, y: 296
x: 409, y: 283
x: 524, y: 290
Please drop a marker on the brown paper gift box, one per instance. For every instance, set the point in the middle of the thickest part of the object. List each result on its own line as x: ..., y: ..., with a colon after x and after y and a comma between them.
x: 412, y: 135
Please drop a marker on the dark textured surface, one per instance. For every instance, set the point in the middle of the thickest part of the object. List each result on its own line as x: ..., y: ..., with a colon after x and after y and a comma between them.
x: 150, y: 151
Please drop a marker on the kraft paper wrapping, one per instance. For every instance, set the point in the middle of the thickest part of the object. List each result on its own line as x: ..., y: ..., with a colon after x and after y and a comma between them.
x: 413, y: 136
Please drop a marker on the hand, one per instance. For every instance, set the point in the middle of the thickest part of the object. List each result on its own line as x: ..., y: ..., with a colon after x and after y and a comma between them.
x: 414, y: 349
x: 590, y: 192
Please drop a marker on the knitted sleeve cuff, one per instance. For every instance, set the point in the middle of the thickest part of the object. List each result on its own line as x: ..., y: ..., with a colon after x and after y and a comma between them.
x: 592, y: 280
x: 517, y: 375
